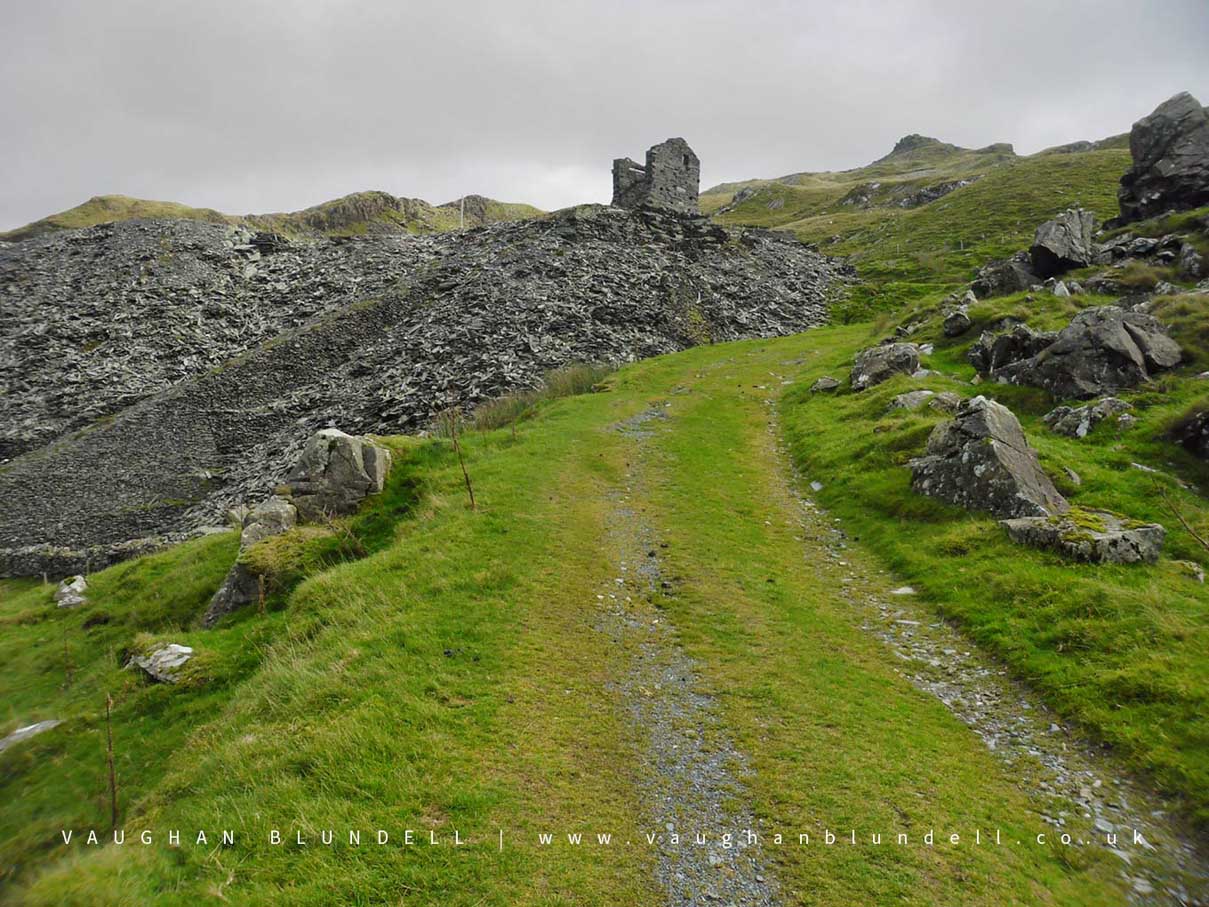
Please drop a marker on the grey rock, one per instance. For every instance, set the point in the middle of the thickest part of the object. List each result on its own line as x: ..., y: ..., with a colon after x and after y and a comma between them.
x: 1063, y: 243
x: 211, y: 378
x: 30, y: 730
x: 1090, y: 535
x: 945, y: 402
x: 1194, y: 570
x: 163, y: 663
x: 1101, y: 351
x: 241, y: 586
x: 1191, y: 263
x: 824, y: 384
x: 1076, y: 422
x: 911, y: 400
x: 993, y: 350
x: 998, y: 278
x: 878, y: 363
x: 335, y: 472
x: 957, y: 322
x: 1104, y: 286
x: 70, y: 593
x: 1193, y: 433
x: 1059, y: 289
x: 982, y: 461
x: 270, y: 517
x: 1170, y: 150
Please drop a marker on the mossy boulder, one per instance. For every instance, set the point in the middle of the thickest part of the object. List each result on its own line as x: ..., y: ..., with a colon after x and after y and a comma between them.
x: 1095, y: 536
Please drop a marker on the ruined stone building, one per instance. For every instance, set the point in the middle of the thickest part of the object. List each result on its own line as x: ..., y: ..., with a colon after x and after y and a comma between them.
x: 669, y: 180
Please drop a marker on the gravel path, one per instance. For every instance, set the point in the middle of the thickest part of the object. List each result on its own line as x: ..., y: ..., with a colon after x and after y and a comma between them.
x: 1076, y: 788
x: 692, y: 779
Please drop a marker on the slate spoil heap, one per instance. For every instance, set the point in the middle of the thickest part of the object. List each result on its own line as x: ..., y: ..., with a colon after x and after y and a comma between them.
x: 214, y: 357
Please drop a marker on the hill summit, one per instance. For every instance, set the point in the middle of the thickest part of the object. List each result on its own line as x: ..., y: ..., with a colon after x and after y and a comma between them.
x: 373, y: 211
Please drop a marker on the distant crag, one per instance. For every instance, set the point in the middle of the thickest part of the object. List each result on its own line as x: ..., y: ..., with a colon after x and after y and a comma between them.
x: 159, y: 372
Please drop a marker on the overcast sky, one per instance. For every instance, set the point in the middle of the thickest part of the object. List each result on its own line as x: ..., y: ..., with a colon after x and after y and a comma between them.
x: 257, y: 106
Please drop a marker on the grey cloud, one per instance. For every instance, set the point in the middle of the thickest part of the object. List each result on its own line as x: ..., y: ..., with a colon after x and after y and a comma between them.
x: 260, y: 106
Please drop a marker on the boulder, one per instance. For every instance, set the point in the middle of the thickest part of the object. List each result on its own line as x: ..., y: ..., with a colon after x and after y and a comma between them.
x: 877, y: 364
x: 911, y: 399
x: 334, y: 473
x: 1101, y: 351
x: 163, y: 663
x: 24, y: 733
x: 945, y: 402
x: 982, y: 461
x: 1170, y: 171
x: 270, y: 517
x: 1191, y: 263
x: 1193, y: 433
x: 957, y: 322
x: 241, y: 586
x: 1003, y: 276
x: 1063, y: 243
x: 826, y: 383
x: 1076, y: 422
x: 70, y: 593
x: 1090, y: 535
x: 995, y: 350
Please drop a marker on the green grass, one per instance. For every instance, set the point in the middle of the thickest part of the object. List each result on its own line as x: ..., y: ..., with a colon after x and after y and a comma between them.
x: 452, y: 678
x: 1124, y: 651
x: 352, y: 215
x: 908, y: 254
x: 564, y: 382
x: 104, y: 209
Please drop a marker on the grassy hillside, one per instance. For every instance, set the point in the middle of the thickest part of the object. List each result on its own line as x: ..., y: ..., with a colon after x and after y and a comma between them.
x: 905, y: 253
x: 438, y: 668
x: 103, y: 209
x: 359, y: 213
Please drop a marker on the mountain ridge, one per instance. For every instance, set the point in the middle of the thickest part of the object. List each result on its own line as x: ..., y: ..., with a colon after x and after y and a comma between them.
x: 368, y: 211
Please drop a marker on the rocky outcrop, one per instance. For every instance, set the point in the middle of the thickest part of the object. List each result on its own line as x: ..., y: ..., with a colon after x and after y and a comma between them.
x: 879, y: 363
x: 1193, y: 433
x: 982, y: 461
x: 1076, y: 422
x: 1000, y: 277
x: 70, y: 593
x: 1063, y: 243
x: 241, y: 586
x: 335, y: 472
x: 163, y: 663
x: 911, y: 400
x: 213, y: 377
x: 1090, y: 535
x: 1170, y: 171
x: 994, y: 350
x: 1101, y: 351
x: 957, y: 322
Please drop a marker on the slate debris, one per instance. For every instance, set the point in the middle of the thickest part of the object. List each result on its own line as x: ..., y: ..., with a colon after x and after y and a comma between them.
x: 163, y: 328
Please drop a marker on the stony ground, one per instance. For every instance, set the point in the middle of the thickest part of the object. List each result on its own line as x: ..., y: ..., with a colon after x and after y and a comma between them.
x: 207, y: 393
x: 523, y: 667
